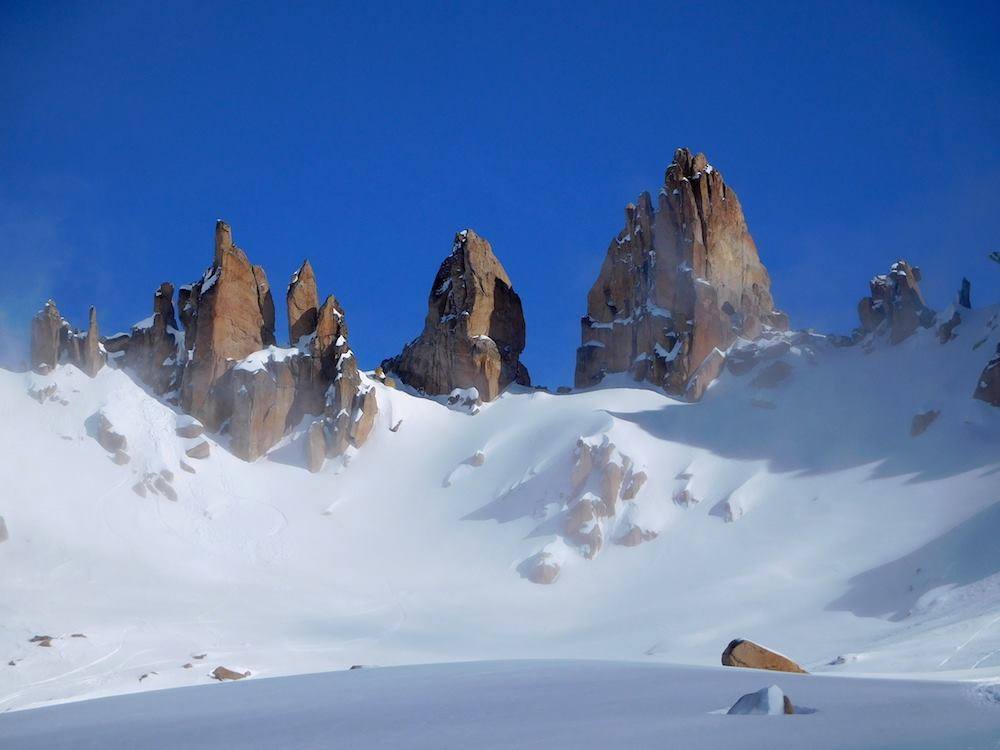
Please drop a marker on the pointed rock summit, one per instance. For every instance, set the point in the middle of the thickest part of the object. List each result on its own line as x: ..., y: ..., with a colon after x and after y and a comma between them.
x: 474, y: 332
x: 302, y: 299
x: 233, y: 321
x: 895, y: 304
x: 679, y: 283
x: 54, y: 340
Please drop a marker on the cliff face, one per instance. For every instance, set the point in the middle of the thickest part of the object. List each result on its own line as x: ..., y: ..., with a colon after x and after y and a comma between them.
x: 474, y: 332
x: 678, y: 282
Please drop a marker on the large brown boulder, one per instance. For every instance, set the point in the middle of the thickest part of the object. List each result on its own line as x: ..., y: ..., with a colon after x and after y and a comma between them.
x: 895, y: 303
x: 232, y: 322
x: 302, y: 300
x: 747, y: 654
x: 988, y: 386
x: 679, y: 282
x: 474, y: 331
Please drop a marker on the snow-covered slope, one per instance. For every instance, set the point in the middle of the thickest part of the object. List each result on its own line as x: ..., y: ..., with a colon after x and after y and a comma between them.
x: 522, y: 704
x: 812, y: 521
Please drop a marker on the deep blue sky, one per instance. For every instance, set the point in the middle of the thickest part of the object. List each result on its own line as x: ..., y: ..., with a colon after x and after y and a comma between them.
x: 364, y: 135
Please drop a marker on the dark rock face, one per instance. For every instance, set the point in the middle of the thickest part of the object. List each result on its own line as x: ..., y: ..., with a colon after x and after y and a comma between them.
x: 474, y: 332
x: 679, y: 282
x: 895, y: 304
x: 232, y: 317
x: 988, y: 387
x: 54, y: 340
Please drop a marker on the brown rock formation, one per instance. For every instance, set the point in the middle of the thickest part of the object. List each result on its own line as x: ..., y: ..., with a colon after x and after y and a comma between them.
x: 747, y: 654
x: 232, y: 318
x: 315, y: 446
x: 302, y: 300
x: 678, y: 283
x: 154, y: 349
x: 988, y: 387
x: 474, y: 331
x: 54, y: 340
x: 262, y: 399
x: 540, y: 568
x: 225, y: 673
x: 895, y: 303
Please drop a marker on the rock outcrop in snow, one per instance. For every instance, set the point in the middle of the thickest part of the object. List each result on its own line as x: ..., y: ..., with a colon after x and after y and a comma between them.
x: 988, y: 387
x: 154, y: 348
x: 680, y: 282
x: 54, y: 340
x: 750, y: 655
x: 769, y: 701
x: 474, y: 332
x: 895, y: 304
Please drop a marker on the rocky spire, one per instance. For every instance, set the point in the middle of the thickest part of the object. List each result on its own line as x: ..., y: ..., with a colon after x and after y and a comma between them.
x: 154, y: 349
x: 474, y: 332
x: 91, y: 354
x: 895, y: 304
x: 232, y: 322
x: 46, y: 334
x: 302, y: 300
x: 679, y: 282
x: 54, y: 340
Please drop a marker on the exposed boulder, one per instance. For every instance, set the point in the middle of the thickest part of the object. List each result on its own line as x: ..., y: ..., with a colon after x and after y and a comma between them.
x: 678, y: 285
x: 772, y: 375
x: 225, y: 673
x: 188, y: 427
x: 988, y: 387
x: 634, y: 536
x: 582, y: 527
x: 232, y: 323
x: 199, y: 450
x: 769, y: 701
x: 302, y: 300
x: 109, y: 439
x: 946, y: 331
x: 474, y: 332
x: 4, y: 534
x: 922, y: 421
x: 895, y: 303
x: 540, y: 568
x: 749, y: 655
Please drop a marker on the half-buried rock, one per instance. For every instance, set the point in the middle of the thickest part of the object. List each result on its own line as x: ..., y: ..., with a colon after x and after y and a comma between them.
x: 769, y: 701
x: 4, y: 535
x: 224, y: 673
x: 750, y: 655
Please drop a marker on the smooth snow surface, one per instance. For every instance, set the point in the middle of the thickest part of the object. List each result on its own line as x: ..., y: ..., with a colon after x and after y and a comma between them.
x: 485, y: 705
x: 803, y: 516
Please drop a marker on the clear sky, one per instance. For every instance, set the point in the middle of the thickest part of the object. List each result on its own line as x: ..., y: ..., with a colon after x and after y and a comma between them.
x: 363, y: 135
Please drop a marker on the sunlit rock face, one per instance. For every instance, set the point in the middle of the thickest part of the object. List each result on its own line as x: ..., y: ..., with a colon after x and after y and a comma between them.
x: 474, y: 331
x: 680, y: 281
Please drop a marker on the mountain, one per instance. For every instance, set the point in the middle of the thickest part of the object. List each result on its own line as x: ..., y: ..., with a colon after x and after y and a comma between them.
x: 208, y: 498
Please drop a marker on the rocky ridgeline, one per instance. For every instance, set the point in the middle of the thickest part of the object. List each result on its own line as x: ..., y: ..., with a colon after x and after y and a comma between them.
x: 474, y: 332
x: 221, y: 365
x: 678, y: 285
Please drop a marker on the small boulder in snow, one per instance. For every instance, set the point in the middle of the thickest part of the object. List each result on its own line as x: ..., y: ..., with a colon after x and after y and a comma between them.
x: 188, y: 427
x: 224, y: 673
x: 750, y: 655
x: 769, y: 701
x: 200, y: 450
x: 922, y: 421
x: 4, y: 535
x: 540, y: 568
x: 106, y: 435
